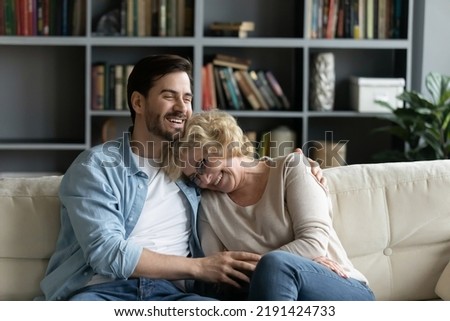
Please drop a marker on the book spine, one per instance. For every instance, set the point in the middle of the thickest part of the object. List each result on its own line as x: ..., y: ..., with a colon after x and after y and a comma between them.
x: 369, y: 19
x: 127, y: 69
x: 234, y: 93
x: 211, y: 84
x: 225, y: 87
x: 162, y: 18
x: 277, y: 89
x: 118, y: 87
x: 181, y: 18
x: 141, y: 18
x: 259, y: 85
x: 98, y: 86
x: 255, y: 90
x: 246, y: 90
x: 276, y: 102
x: 221, y: 100
x: 110, y: 96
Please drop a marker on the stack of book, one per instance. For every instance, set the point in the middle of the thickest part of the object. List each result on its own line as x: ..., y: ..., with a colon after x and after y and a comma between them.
x: 357, y: 19
x: 109, y: 86
x: 232, y: 29
x: 42, y: 18
x: 229, y: 83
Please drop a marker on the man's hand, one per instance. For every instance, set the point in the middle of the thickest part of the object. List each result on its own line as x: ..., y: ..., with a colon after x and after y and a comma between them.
x: 315, y: 170
x: 228, y: 267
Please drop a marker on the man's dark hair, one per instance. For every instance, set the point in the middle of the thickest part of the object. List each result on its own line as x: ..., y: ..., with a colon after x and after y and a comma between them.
x: 151, y: 68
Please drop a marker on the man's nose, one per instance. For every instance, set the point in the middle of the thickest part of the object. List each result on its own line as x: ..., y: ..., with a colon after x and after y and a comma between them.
x: 181, y: 105
x: 205, y: 178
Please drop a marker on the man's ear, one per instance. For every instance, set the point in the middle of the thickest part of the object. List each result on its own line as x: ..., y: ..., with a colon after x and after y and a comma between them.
x: 137, y: 102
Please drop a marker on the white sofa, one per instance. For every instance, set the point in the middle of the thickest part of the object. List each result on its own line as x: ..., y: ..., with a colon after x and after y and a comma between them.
x: 393, y: 219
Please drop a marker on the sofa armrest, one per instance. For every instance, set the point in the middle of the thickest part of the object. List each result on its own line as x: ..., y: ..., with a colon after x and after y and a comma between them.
x: 443, y: 286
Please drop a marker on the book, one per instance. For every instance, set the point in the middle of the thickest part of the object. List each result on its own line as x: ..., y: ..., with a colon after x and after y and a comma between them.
x: 231, y: 61
x: 206, y: 96
x: 127, y: 71
x: 330, y: 20
x: 98, y: 86
x: 263, y: 90
x: 118, y: 87
x: 226, y: 88
x: 277, y: 89
x: 262, y: 102
x: 141, y: 18
x: 211, y: 86
x: 369, y: 19
x: 162, y: 18
x: 240, y: 25
x: 238, y: 101
x: 110, y: 94
x: 222, y: 102
x: 232, y: 29
x: 171, y: 18
x: 382, y: 9
x: 2, y: 16
x: 209, y: 100
x: 78, y: 18
x: 246, y: 90
x: 277, y: 104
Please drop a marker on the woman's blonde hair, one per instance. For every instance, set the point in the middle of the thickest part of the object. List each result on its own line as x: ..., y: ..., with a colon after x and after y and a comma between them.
x: 215, y: 132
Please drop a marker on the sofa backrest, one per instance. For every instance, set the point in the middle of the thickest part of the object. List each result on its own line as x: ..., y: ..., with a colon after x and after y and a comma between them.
x: 29, y: 226
x: 394, y: 221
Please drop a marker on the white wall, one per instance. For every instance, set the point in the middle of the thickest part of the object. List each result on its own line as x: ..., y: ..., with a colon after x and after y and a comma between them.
x: 432, y: 43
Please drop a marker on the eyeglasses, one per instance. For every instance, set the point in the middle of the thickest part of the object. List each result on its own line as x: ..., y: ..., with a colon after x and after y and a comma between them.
x: 194, y: 178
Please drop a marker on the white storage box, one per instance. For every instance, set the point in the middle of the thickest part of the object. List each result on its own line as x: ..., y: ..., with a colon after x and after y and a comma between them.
x: 364, y: 92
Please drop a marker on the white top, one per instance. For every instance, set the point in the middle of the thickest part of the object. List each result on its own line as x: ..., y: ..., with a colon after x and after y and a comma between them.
x: 164, y: 225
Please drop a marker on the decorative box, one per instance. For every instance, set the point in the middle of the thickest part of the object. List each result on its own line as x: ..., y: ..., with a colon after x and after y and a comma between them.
x: 364, y: 92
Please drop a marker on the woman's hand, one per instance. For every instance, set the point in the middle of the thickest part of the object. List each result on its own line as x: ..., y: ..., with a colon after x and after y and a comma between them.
x: 332, y: 265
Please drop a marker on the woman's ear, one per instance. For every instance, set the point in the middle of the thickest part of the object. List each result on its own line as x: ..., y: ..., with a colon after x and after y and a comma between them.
x: 137, y: 102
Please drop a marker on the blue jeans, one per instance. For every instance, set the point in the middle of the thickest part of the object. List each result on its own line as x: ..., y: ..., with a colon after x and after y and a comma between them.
x: 282, y: 276
x: 139, y: 289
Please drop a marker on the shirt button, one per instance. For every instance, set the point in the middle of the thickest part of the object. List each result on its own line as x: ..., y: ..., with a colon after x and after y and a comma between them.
x: 140, y: 186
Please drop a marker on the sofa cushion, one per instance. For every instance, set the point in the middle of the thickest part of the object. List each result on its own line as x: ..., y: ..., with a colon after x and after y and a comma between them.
x: 29, y: 216
x: 443, y: 285
x: 394, y: 221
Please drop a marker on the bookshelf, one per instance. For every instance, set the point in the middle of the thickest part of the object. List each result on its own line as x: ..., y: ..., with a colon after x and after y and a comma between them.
x: 45, y: 84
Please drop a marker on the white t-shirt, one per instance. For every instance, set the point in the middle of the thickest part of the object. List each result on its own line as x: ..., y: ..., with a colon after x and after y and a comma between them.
x: 164, y: 224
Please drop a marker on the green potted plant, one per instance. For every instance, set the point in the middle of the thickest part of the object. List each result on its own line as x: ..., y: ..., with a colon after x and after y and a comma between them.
x: 423, y: 123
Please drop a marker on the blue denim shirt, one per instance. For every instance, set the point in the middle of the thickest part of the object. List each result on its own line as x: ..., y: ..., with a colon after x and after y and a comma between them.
x: 102, y: 195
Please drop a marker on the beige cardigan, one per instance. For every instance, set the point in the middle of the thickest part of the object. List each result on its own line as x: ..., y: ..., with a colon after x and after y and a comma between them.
x: 294, y: 215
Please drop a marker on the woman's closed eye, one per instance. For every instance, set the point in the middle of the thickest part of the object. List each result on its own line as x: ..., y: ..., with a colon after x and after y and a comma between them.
x: 199, y: 170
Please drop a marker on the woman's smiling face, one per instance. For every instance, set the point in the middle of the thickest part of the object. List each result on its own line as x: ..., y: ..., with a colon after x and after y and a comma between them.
x: 208, y: 171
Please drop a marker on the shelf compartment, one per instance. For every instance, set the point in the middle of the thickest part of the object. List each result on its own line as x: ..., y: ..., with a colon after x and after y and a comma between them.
x: 285, y: 63
x: 385, y: 63
x: 51, y: 99
x: 272, y: 18
x: 54, y: 161
x: 362, y: 142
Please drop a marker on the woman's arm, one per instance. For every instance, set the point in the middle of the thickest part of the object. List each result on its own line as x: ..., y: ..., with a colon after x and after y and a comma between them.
x: 309, y: 208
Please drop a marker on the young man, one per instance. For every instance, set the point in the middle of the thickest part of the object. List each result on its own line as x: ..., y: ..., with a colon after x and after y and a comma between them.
x: 127, y: 231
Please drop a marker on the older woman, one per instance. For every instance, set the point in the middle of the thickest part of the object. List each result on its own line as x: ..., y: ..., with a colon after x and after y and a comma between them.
x: 274, y: 207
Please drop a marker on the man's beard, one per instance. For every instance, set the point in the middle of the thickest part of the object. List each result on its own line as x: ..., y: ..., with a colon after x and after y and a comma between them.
x: 154, y: 127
